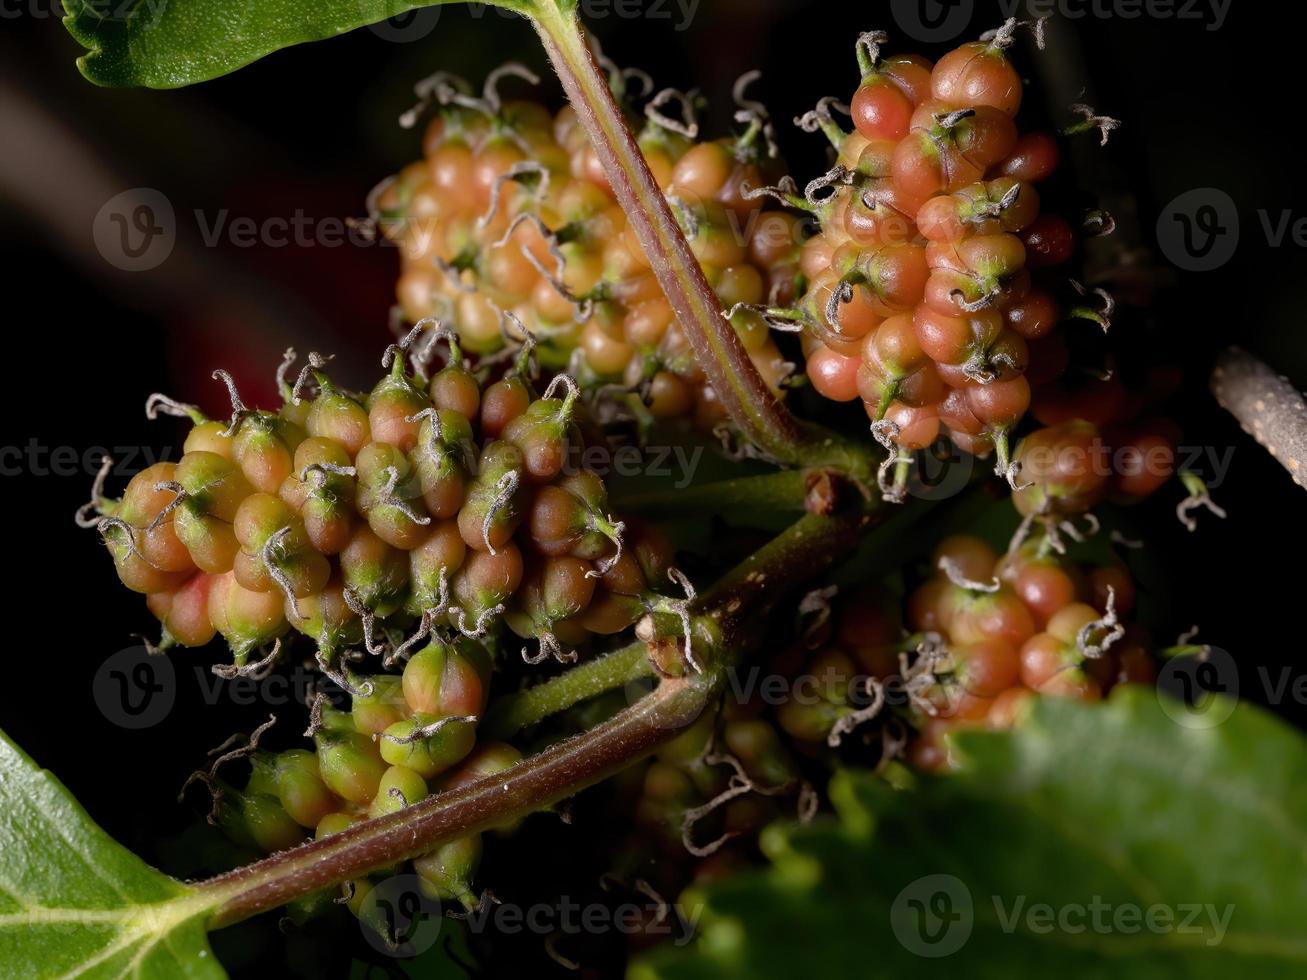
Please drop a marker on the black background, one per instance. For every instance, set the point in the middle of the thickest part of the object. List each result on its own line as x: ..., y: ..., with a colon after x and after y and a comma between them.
x: 312, y: 128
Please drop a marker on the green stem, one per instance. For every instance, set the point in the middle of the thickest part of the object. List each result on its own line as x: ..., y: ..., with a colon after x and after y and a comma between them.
x: 513, y: 712
x: 804, y: 550
x: 783, y: 490
x: 759, y: 414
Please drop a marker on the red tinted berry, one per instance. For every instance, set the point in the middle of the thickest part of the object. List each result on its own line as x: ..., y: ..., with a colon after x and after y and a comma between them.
x: 1034, y: 157
x: 881, y: 110
x: 834, y: 375
x: 1066, y: 467
x: 1049, y: 241
x: 977, y: 74
x: 987, y: 668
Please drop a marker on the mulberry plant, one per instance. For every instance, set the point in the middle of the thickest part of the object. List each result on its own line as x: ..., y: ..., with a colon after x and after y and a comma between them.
x: 770, y: 703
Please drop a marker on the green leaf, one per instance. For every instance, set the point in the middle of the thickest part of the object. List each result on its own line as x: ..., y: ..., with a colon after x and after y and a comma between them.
x: 1105, y: 814
x: 170, y: 43
x: 73, y: 902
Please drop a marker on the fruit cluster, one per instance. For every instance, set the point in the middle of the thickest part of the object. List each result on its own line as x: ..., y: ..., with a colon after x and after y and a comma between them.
x: 724, y: 778
x: 929, y: 293
x: 1029, y: 623
x: 984, y: 634
x: 509, y: 223
x: 1098, y: 442
x: 352, y: 517
x: 403, y: 738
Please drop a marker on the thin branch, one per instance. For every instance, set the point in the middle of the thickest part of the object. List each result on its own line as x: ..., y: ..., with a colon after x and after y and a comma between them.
x: 717, y: 346
x: 1267, y: 406
x: 557, y: 773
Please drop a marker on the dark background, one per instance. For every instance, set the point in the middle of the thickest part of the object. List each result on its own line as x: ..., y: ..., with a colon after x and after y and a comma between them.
x: 311, y: 129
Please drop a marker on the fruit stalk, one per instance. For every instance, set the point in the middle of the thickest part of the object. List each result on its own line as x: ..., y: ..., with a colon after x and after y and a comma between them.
x: 760, y: 416
x: 554, y: 774
x: 1267, y: 406
x: 804, y: 549
x: 513, y: 712
x: 783, y: 490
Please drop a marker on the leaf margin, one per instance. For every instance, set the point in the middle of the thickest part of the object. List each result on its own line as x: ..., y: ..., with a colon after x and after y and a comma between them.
x: 161, y: 918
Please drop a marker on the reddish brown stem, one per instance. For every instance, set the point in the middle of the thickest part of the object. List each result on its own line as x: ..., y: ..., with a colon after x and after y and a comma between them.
x: 729, y: 613
x: 554, y: 774
x: 721, y: 354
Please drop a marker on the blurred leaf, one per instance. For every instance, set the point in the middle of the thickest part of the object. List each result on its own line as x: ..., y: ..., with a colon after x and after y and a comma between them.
x: 73, y: 902
x: 171, y: 43
x: 1100, y: 815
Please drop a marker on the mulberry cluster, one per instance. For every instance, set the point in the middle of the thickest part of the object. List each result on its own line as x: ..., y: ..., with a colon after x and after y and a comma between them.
x: 1030, y: 623
x: 1099, y: 442
x: 930, y: 289
x: 508, y: 223
x: 970, y: 646
x: 424, y: 505
x: 725, y: 778
x: 404, y: 738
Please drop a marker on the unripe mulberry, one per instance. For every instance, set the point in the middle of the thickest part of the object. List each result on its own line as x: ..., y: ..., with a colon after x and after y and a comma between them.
x: 927, y: 281
x: 510, y: 220
x: 346, y: 535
